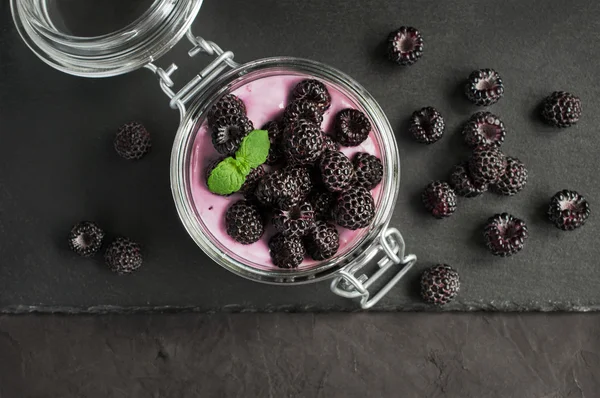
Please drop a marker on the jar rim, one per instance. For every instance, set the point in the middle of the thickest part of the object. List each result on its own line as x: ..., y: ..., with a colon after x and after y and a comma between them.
x: 142, y: 41
x: 180, y: 168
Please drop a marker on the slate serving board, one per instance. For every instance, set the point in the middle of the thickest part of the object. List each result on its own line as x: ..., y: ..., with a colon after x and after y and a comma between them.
x: 57, y: 165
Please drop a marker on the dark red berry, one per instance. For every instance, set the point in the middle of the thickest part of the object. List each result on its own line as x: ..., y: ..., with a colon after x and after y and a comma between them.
x: 313, y: 91
x: 484, y: 87
x: 505, y: 234
x: 561, y: 109
x: 252, y: 180
x: 514, y: 178
x: 568, y: 210
x: 354, y: 208
x: 86, y: 238
x: 352, y: 127
x: 368, y: 170
x: 463, y: 184
x: 322, y: 203
x: 405, y: 46
x: 439, y: 284
x: 297, y: 221
x: 484, y: 128
x: 439, y: 199
x: 487, y: 164
x: 286, y: 251
x: 227, y: 105
x: 228, y: 131
x: 275, y: 150
x: 337, y: 172
x: 123, y: 256
x: 302, y: 175
x: 243, y: 222
x: 427, y: 125
x: 132, y: 141
x: 278, y: 189
x: 302, y: 142
x: 302, y: 110
x: 323, y: 241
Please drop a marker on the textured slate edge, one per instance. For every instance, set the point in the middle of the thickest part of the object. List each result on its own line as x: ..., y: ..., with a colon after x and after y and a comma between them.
x: 506, y: 306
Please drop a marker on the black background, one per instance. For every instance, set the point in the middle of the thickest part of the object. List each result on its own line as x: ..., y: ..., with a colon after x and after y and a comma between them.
x: 57, y: 165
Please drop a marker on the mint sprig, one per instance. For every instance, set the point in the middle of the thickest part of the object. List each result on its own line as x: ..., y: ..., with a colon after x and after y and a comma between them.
x: 230, y: 174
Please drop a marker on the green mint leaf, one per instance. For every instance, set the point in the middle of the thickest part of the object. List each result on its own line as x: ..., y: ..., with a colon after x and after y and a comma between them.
x: 243, y: 166
x: 254, y: 148
x: 226, y: 177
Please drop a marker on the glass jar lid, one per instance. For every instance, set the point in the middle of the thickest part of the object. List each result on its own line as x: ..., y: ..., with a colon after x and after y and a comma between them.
x: 56, y: 33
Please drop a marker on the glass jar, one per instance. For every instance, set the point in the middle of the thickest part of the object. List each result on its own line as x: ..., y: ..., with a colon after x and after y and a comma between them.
x: 150, y: 36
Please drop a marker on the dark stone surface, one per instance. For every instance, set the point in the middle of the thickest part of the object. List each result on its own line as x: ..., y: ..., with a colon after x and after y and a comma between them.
x: 301, y: 355
x: 57, y: 165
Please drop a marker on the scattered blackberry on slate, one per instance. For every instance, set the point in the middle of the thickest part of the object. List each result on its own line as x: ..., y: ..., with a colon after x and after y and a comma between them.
x: 337, y: 172
x: 487, y: 164
x: 228, y: 132
x: 302, y: 142
x: 561, y: 109
x: 322, y: 203
x: 439, y: 284
x: 504, y: 234
x: 244, y: 223
x: 439, y: 199
x: 352, y: 127
x: 514, y: 178
x: 329, y: 144
x: 132, y: 141
x: 484, y: 128
x: 123, y: 256
x: 86, y: 238
x: 368, y: 169
x: 303, y: 177
x: 463, y: 184
x: 405, y: 46
x: 286, y: 251
x: 484, y: 87
x: 297, y: 221
x: 568, y: 210
x: 323, y: 241
x: 252, y: 180
x: 302, y: 110
x: 275, y: 151
x: 313, y: 91
x: 427, y: 125
x: 354, y: 208
x: 227, y: 105
x: 278, y: 189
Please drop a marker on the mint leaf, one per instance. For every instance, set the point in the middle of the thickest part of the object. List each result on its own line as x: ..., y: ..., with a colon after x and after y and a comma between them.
x: 254, y: 148
x: 243, y: 166
x: 226, y: 177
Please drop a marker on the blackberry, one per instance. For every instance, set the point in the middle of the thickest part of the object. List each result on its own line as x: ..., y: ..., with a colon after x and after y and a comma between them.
x: 278, y: 189
x: 463, y: 184
x: 228, y: 132
x: 302, y: 142
x: 297, y: 221
x: 484, y: 87
x: 354, y: 208
x: 405, y: 46
x: 132, y: 141
x: 568, y: 210
x: 252, y: 180
x: 427, y: 125
x: 439, y: 284
x: 323, y: 241
x: 275, y: 151
x: 243, y: 222
x: 439, y: 199
x: 286, y: 251
x: 313, y: 91
x: 86, y: 238
x: 329, y: 144
x: 505, y: 234
x: 484, y: 128
x: 337, y: 172
x: 322, y: 203
x: 514, y: 178
x: 352, y: 127
x: 227, y: 105
x: 302, y: 110
x: 368, y: 169
x: 123, y: 256
x: 561, y: 109
x: 303, y: 178
x: 487, y: 164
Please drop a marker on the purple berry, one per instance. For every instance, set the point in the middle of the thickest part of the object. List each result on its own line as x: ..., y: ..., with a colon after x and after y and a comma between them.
x: 439, y: 199
x: 561, y: 109
x: 322, y: 203
x: 313, y: 91
x: 484, y: 87
x: 405, y: 46
x: 463, y: 184
x: 278, y: 189
x: 352, y: 127
x: 487, y: 164
x: 337, y: 171
x: 505, y: 234
x: 227, y: 105
x: 484, y: 128
x: 323, y: 241
x: 228, y: 131
x: 427, y: 125
x: 514, y: 178
x: 368, y: 170
x: 123, y: 256
x: 244, y: 223
x: 568, y: 210
x: 302, y: 142
x: 275, y: 150
x: 252, y: 180
x: 297, y: 221
x: 286, y: 251
x: 132, y: 141
x: 439, y: 284
x: 86, y: 238
x: 354, y: 208
x: 302, y: 110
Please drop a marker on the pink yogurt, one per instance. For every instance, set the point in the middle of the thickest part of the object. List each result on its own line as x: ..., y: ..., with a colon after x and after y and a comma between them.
x: 265, y: 99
